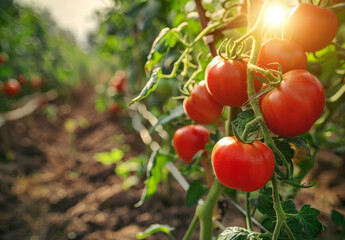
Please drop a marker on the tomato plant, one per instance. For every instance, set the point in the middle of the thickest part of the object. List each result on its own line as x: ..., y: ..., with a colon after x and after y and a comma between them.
x: 201, y: 107
x: 312, y: 27
x: 189, y: 140
x: 12, y: 87
x: 245, y: 167
x: 226, y: 81
x: 293, y: 107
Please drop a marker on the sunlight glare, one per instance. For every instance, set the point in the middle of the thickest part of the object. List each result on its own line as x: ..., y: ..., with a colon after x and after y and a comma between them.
x: 275, y: 15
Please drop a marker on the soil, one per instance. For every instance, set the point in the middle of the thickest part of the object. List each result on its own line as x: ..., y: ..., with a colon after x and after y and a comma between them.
x: 51, y: 187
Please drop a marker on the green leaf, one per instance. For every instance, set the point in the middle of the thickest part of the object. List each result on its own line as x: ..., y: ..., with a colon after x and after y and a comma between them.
x: 154, y: 228
x: 308, y: 218
x: 237, y: 233
x: 264, y: 202
x: 175, y: 113
x: 285, y: 149
x: 154, y: 170
x: 338, y: 218
x: 108, y: 158
x: 195, y: 191
x: 238, y: 125
x: 150, y: 85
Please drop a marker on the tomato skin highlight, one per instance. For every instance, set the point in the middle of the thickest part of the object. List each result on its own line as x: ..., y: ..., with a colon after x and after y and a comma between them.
x: 240, y: 166
x: 226, y: 81
x: 12, y: 87
x: 312, y: 27
x: 294, y: 106
x: 287, y: 53
x: 201, y: 107
x: 189, y: 140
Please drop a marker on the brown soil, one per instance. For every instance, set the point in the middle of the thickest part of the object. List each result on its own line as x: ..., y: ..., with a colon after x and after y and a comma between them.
x: 54, y: 189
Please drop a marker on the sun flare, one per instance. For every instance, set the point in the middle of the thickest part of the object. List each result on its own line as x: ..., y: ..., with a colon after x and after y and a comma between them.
x: 275, y: 15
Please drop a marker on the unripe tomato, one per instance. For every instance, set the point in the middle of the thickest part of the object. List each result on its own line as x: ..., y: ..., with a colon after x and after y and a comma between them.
x: 287, y: 53
x: 293, y: 107
x: 189, y: 140
x: 119, y: 81
x: 201, y: 107
x: 226, y: 81
x: 245, y: 167
x: 312, y: 27
x: 12, y: 87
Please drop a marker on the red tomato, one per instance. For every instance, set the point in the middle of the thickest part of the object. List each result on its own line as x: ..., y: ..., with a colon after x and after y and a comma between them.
x: 189, y: 140
x: 312, y: 27
x: 293, y: 107
x: 12, y: 87
x: 119, y: 81
x: 21, y: 79
x: 3, y: 58
x: 114, y: 108
x: 201, y: 107
x: 287, y: 53
x: 245, y: 167
x: 226, y: 81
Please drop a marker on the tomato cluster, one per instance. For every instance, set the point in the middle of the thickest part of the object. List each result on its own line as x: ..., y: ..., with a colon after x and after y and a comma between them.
x: 289, y: 110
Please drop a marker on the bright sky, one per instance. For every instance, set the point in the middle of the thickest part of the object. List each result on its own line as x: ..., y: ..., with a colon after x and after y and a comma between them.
x: 74, y: 15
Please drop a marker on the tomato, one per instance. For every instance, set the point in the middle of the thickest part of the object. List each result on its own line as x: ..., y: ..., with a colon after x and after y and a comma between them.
x: 201, y: 107
x: 226, y: 81
x: 293, y: 107
x: 189, y: 140
x: 12, y: 87
x: 287, y: 53
x: 119, y: 81
x: 245, y: 167
x: 36, y: 82
x: 21, y: 79
x: 114, y: 108
x: 312, y: 27
x: 3, y: 58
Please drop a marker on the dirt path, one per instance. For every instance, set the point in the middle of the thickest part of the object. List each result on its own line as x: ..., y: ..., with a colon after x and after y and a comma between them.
x: 54, y: 189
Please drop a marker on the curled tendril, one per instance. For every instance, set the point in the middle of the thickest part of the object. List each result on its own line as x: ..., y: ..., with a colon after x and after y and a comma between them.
x: 195, y: 73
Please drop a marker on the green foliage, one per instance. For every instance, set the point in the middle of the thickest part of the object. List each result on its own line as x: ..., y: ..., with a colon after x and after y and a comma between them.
x: 154, y: 228
x: 154, y: 175
x: 237, y: 233
x: 108, y: 158
x: 195, y: 191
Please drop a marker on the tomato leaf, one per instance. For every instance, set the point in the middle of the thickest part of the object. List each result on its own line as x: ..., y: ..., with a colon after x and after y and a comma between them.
x: 175, y: 113
x: 154, y: 228
x: 338, y: 218
x: 239, y: 124
x: 108, y: 158
x: 308, y: 218
x: 150, y: 85
x: 154, y: 175
x: 195, y: 191
x: 237, y: 233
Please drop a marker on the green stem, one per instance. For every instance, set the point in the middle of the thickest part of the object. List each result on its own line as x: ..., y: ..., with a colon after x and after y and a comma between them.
x: 249, y: 127
x: 248, y: 214
x: 191, y: 228
x: 205, y: 211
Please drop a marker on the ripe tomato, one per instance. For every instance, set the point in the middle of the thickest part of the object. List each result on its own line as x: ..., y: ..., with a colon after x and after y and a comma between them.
x: 245, y: 167
x: 21, y: 79
x: 201, y: 107
x: 3, y: 58
x: 312, y: 27
x: 189, y: 140
x: 119, y: 81
x: 287, y: 53
x: 114, y: 108
x: 12, y: 87
x: 293, y: 107
x: 226, y: 81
